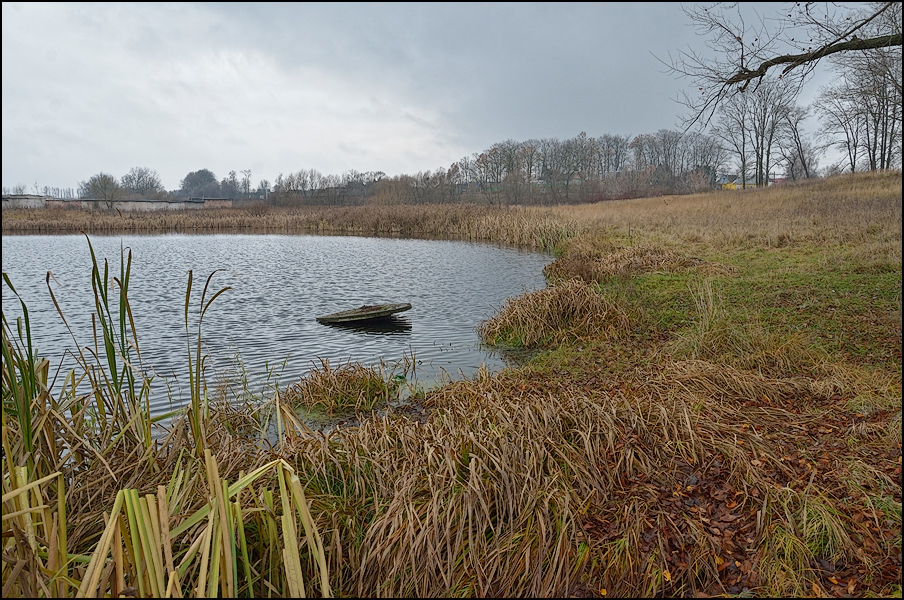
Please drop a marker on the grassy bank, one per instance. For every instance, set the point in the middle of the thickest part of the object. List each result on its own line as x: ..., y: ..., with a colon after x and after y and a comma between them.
x: 713, y: 407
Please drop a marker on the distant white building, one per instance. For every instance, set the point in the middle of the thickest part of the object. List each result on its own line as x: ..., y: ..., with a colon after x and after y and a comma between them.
x: 25, y: 201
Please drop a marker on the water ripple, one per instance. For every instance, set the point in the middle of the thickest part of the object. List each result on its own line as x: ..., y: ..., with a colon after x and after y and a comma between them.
x: 279, y: 283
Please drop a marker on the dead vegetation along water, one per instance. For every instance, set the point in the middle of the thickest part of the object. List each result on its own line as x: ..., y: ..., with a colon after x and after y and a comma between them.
x: 709, y: 429
x: 491, y: 223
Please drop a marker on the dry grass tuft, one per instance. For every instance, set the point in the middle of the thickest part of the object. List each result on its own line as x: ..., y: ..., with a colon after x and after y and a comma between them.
x: 562, y: 313
x: 348, y: 387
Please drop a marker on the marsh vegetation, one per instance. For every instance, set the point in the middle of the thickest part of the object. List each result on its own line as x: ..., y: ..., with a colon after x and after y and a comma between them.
x: 713, y: 406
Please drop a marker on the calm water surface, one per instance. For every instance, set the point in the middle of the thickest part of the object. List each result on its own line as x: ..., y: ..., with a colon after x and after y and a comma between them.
x: 265, y: 325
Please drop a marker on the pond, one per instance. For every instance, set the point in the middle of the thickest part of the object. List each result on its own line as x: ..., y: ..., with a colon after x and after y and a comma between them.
x: 262, y: 332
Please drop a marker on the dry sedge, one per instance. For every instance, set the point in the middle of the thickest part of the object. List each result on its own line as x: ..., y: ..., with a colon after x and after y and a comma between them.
x: 725, y: 446
x: 342, y: 388
x: 509, y: 225
x: 561, y: 313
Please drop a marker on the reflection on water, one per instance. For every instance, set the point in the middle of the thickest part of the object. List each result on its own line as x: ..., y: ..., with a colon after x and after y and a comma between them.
x: 388, y: 325
x: 263, y: 330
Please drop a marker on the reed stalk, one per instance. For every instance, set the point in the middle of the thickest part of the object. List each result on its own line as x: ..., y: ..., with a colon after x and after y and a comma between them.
x: 197, y: 413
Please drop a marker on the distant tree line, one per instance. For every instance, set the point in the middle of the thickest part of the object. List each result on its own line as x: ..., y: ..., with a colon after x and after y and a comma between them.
x: 537, y: 171
x: 752, y: 136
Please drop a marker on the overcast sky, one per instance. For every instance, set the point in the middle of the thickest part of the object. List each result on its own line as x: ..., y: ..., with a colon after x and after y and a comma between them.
x: 279, y: 87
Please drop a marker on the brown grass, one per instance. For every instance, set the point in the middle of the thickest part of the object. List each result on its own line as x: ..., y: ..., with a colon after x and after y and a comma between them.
x: 846, y: 211
x: 590, y: 263
x: 528, y: 484
x: 511, y: 225
x: 556, y: 315
x: 347, y: 387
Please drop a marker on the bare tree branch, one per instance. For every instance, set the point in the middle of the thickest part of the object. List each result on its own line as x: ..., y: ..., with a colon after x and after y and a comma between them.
x: 741, y: 51
x: 795, y: 60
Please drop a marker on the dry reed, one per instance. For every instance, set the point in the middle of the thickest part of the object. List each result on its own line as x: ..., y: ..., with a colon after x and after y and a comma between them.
x: 508, y: 225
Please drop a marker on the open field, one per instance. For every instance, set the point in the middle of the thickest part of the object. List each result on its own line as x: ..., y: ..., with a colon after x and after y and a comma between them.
x: 712, y: 407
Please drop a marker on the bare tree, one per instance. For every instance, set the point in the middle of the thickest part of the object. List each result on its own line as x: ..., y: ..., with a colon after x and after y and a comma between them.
x: 862, y: 116
x: 731, y: 128
x: 229, y: 186
x: 613, y: 152
x: 792, y: 44
x: 313, y: 180
x: 512, y: 180
x: 769, y: 103
x: 557, y: 166
x: 529, y: 158
x: 799, y: 156
x: 583, y: 151
x: 142, y: 181
x: 263, y: 189
x: 672, y: 150
x: 490, y: 170
x: 102, y: 186
x: 646, y: 151
x: 704, y: 156
x: 880, y: 103
x: 874, y: 79
x: 837, y: 109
